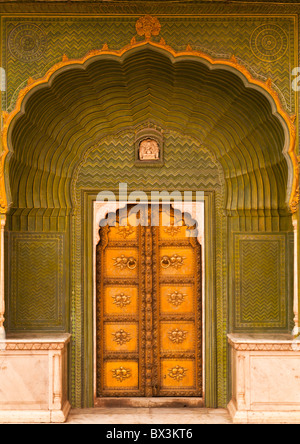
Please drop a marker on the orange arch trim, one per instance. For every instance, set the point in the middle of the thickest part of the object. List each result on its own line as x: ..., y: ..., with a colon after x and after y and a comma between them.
x: 232, y: 63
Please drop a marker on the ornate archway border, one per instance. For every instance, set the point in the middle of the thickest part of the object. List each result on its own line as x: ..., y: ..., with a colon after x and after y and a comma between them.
x: 82, y: 235
x: 149, y: 26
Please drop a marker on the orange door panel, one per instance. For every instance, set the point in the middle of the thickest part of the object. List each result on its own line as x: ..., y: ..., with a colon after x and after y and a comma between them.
x: 177, y: 299
x: 121, y: 337
x: 121, y: 375
x: 176, y: 261
x: 177, y: 336
x: 178, y: 375
x: 120, y: 300
x: 122, y: 262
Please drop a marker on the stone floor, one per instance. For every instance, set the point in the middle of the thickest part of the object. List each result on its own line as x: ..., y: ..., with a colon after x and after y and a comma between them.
x: 149, y: 416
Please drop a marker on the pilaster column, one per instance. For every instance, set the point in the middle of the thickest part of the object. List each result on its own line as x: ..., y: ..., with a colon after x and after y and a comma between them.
x: 2, y: 300
x: 295, y: 306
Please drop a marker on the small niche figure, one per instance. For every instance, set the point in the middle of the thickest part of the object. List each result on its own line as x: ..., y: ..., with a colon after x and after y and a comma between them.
x: 149, y: 149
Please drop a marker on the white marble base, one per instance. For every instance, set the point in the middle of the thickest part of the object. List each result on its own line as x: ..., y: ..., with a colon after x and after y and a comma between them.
x: 262, y: 417
x: 157, y: 416
x: 35, y: 416
x: 33, y: 378
x: 265, y: 379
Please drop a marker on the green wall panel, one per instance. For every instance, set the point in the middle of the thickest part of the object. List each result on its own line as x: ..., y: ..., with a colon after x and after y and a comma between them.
x: 36, y: 297
x: 261, y: 290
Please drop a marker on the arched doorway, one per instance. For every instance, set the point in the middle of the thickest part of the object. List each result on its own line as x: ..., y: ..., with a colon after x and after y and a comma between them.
x: 149, y: 306
x: 73, y: 135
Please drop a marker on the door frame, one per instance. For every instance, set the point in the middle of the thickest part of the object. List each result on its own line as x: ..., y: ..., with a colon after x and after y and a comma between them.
x: 91, y: 236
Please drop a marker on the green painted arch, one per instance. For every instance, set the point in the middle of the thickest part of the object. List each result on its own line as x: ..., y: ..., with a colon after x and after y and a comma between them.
x: 81, y: 104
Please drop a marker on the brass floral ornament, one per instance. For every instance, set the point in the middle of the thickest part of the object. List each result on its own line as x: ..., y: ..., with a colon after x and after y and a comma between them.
x: 176, y: 298
x: 177, y: 336
x: 121, y: 337
x: 172, y: 230
x: 125, y: 262
x: 177, y: 372
x: 175, y: 261
x: 148, y: 26
x: 121, y: 373
x: 125, y: 231
x: 121, y: 299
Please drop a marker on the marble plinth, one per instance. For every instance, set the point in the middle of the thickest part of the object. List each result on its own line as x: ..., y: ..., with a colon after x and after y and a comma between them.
x: 33, y: 378
x: 158, y: 416
x: 265, y: 373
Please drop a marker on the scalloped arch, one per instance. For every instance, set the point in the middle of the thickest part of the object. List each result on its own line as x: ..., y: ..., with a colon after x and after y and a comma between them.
x: 59, y: 116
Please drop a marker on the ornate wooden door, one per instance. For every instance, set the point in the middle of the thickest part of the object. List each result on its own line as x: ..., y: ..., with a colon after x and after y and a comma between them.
x: 149, y: 329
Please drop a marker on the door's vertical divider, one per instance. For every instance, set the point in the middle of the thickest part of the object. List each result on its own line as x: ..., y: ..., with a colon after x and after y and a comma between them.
x: 149, y: 318
x: 198, y: 314
x: 199, y: 318
x: 100, y: 307
x: 155, y: 311
x: 143, y: 312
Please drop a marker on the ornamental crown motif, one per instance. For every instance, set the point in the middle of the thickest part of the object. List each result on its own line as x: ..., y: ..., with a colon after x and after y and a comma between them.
x: 148, y: 26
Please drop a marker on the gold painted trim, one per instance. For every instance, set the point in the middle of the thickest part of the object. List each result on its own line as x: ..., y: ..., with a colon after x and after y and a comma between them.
x: 232, y: 63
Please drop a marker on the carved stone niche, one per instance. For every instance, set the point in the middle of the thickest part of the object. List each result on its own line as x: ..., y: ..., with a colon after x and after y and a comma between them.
x: 149, y: 147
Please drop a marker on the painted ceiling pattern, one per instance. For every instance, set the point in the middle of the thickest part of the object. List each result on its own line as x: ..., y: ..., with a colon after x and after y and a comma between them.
x: 82, y: 105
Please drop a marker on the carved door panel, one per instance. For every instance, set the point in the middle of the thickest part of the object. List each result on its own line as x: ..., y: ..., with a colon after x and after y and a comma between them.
x: 148, y: 311
x: 177, y: 311
x: 120, y: 312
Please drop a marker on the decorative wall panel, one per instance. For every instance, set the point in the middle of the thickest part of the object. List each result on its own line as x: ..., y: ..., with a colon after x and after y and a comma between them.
x: 261, y: 292
x: 262, y: 44
x: 36, y: 299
